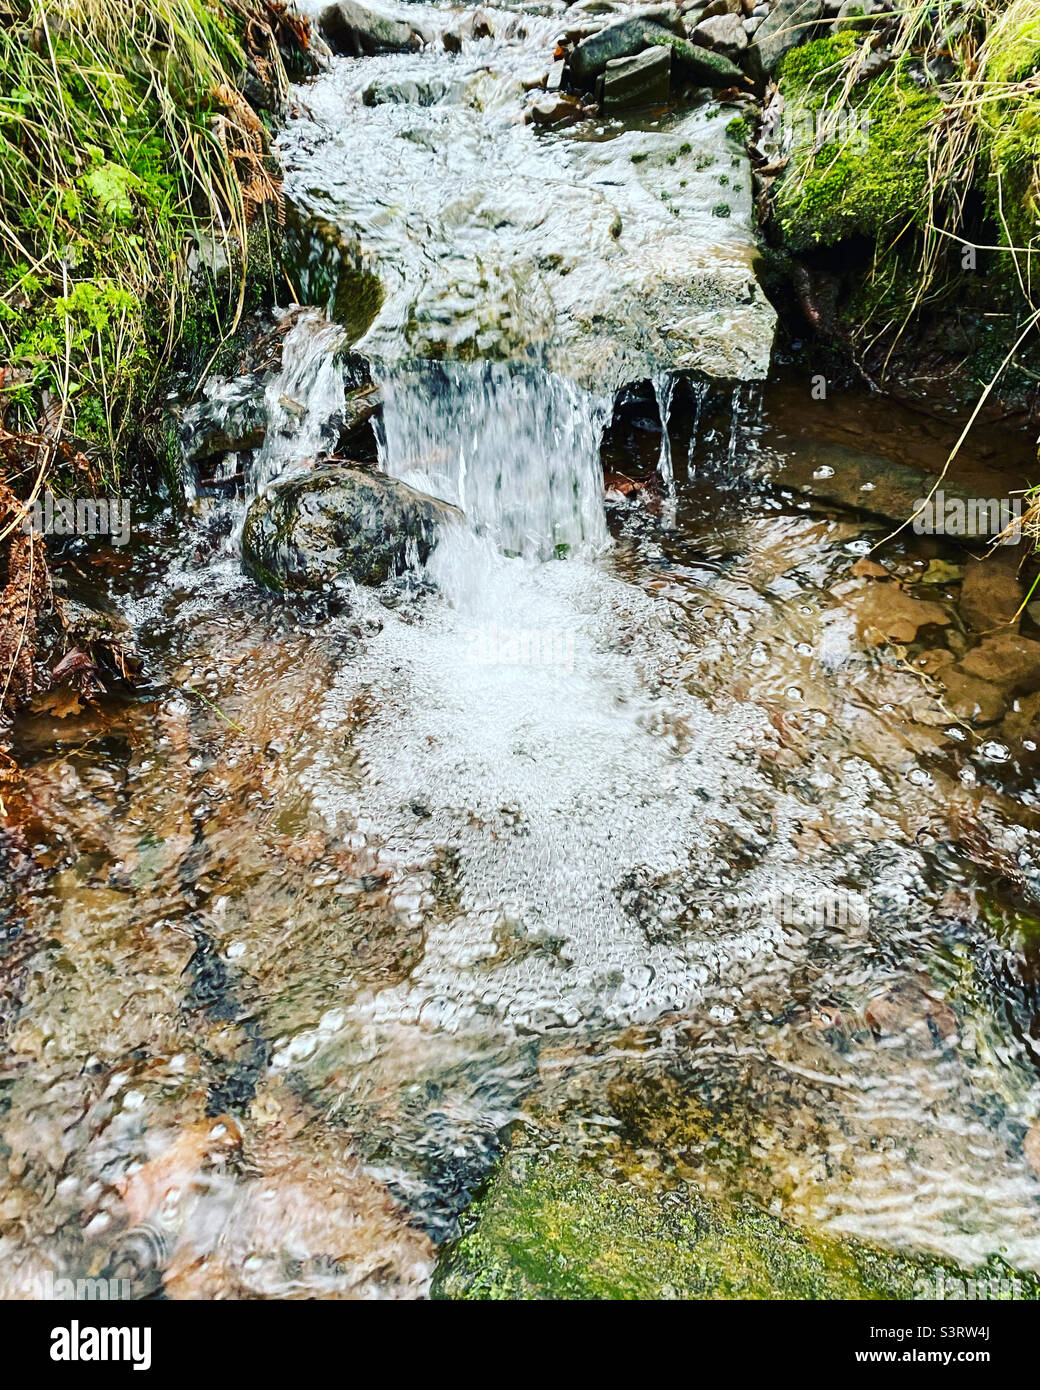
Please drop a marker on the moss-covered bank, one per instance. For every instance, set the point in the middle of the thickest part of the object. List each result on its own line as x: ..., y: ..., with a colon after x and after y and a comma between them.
x: 549, y: 1228
x: 905, y: 193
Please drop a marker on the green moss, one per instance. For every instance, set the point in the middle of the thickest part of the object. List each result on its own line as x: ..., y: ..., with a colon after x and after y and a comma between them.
x: 550, y: 1229
x: 867, y: 175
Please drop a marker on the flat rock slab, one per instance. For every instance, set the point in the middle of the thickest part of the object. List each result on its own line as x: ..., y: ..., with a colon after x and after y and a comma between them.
x: 835, y: 475
x: 604, y: 257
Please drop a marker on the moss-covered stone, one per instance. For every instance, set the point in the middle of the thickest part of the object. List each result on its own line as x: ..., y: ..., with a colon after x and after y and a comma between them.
x: 551, y: 1229
x: 867, y: 175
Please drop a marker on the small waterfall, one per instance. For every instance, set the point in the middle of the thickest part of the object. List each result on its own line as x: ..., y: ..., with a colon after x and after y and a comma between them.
x: 303, y: 401
x: 701, y: 390
x: 664, y: 390
x: 514, y: 447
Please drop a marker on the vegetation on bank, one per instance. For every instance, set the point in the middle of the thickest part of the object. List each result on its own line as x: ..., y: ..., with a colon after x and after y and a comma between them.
x: 136, y: 192
x: 934, y: 189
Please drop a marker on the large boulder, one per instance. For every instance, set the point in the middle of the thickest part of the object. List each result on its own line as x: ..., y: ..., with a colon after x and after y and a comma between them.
x: 357, y: 29
x: 312, y: 528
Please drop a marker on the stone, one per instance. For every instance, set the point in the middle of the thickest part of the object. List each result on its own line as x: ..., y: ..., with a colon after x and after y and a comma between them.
x: 643, y: 80
x: 971, y: 699
x: 338, y: 520
x: 717, y: 8
x: 555, y: 109
x: 357, y: 29
x: 788, y: 24
x: 549, y: 1228
x: 885, y: 611
x: 622, y: 40
x: 1023, y: 721
x: 554, y: 79
x: 1007, y: 660
x: 231, y: 416
x: 855, y: 14
x: 991, y: 594
x: 724, y: 31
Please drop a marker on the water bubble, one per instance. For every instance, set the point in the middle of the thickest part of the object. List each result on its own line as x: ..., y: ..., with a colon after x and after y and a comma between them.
x: 993, y: 752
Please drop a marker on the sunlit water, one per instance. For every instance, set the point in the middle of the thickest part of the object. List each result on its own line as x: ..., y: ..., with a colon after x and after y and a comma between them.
x: 360, y: 883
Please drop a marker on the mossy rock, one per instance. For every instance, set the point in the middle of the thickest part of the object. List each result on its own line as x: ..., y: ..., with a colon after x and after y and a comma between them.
x: 871, y: 177
x: 551, y: 1229
x: 313, y: 528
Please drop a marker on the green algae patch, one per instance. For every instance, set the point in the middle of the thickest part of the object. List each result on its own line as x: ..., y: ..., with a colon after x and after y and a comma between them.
x: 857, y: 167
x: 548, y: 1228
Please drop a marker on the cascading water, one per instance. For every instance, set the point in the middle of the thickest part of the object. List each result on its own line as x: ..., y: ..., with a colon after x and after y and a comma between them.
x: 302, y: 400
x: 664, y: 390
x: 514, y: 447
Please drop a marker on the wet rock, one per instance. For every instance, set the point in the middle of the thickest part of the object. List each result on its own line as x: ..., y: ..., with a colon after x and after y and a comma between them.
x: 788, y: 24
x: 357, y: 29
x: 1006, y: 660
x: 556, y: 109
x: 1031, y: 1148
x: 972, y: 699
x: 1024, y: 719
x: 909, y: 1007
x: 312, y: 528
x: 552, y: 1229
x: 231, y: 416
x: 609, y: 282
x: 991, y: 594
x: 887, y: 612
x: 839, y: 476
x: 643, y: 80
x: 622, y: 40
x: 413, y: 91
x: 725, y: 32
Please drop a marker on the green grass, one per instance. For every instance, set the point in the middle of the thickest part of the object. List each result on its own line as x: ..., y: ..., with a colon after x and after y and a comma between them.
x: 122, y: 139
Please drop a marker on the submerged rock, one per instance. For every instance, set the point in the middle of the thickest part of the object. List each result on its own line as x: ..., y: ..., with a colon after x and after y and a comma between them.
x: 991, y: 594
x: 550, y: 1229
x: 315, y: 527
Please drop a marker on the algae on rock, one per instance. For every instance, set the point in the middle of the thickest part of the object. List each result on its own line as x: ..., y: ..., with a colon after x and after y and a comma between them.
x: 549, y: 1228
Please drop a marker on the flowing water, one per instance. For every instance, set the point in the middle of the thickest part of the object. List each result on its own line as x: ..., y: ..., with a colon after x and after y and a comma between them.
x: 584, y: 833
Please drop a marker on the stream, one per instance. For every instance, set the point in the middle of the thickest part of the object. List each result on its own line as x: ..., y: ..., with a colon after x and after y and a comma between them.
x: 611, y: 830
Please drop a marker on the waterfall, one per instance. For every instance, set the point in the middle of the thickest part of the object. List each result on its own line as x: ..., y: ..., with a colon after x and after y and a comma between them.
x: 664, y: 390
x: 514, y: 447
x: 303, y: 400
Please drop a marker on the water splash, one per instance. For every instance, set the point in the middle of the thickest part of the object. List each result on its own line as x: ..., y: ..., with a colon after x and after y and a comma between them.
x: 304, y: 401
x: 514, y: 447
